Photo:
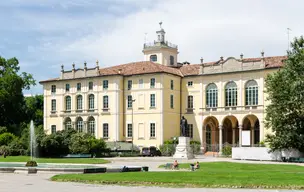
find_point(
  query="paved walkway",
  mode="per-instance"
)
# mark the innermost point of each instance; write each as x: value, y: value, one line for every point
x: 12, y: 182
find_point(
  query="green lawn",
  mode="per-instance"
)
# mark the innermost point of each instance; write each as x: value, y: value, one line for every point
x: 215, y: 174
x: 54, y: 160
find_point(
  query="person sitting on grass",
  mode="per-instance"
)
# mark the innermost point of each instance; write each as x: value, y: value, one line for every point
x: 175, y: 165
x: 196, y: 166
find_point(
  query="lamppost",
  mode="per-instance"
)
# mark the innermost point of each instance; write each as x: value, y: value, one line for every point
x: 133, y: 100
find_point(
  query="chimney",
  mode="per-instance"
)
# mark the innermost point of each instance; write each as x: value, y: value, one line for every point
x: 119, y: 71
x: 262, y: 54
x: 222, y: 58
x: 202, y: 60
x: 241, y: 56
x: 85, y: 68
x: 73, y: 70
x: 201, y: 71
x: 97, y: 67
x: 263, y: 59
x: 62, y: 71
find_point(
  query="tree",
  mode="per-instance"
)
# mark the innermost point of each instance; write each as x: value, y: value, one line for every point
x: 285, y: 113
x: 12, y: 108
x: 34, y: 109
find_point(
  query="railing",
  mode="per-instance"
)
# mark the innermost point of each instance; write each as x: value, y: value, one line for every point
x: 156, y: 43
x: 233, y: 108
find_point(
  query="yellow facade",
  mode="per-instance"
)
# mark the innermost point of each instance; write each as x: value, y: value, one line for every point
x: 145, y: 100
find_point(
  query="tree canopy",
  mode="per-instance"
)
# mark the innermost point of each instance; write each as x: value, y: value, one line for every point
x: 285, y: 113
x: 12, y: 103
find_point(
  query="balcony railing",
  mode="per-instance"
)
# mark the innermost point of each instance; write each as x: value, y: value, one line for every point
x: 156, y: 43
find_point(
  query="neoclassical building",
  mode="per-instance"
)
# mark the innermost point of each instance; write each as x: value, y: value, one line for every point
x: 142, y: 102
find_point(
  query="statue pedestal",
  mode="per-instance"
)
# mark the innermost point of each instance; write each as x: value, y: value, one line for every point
x: 183, y: 149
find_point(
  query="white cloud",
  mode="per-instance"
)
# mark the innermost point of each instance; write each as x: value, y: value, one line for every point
x: 112, y: 31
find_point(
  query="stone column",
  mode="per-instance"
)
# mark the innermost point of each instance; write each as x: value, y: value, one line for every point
x: 233, y: 136
x: 240, y: 135
x: 221, y: 137
x: 252, y: 136
x: 85, y: 130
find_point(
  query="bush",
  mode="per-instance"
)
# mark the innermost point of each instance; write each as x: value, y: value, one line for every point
x: 6, y: 138
x: 4, y: 150
x: 3, y: 130
x: 16, y: 148
x: 167, y: 149
x: 31, y: 164
x: 227, y: 151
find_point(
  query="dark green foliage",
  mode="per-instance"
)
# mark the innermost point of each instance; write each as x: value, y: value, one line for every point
x: 6, y: 138
x: 285, y: 113
x: 227, y: 151
x: 12, y: 103
x: 31, y: 164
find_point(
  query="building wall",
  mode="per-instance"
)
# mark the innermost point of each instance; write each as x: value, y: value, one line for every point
x: 166, y: 119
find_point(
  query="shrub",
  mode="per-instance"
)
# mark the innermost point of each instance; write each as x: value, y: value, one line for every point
x: 31, y: 164
x: 3, y: 130
x: 167, y: 149
x: 6, y: 138
x: 16, y: 148
x: 227, y: 151
x: 262, y: 144
x: 4, y: 150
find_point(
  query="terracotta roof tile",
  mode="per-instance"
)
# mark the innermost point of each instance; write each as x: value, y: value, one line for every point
x: 137, y: 68
x: 147, y: 67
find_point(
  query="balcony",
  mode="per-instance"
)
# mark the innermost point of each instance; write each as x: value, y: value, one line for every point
x: 255, y: 108
x: 159, y: 44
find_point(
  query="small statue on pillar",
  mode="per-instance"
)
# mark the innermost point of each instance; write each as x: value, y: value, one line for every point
x: 183, y: 126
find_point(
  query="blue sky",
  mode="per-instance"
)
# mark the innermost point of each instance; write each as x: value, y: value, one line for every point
x: 44, y: 34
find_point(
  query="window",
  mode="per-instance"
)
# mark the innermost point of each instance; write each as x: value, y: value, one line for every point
x: 190, y: 83
x: 79, y: 102
x: 105, y: 130
x: 130, y: 102
x: 91, y: 124
x: 68, y: 103
x: 231, y: 94
x: 152, y: 100
x: 53, y: 129
x: 171, y: 60
x: 153, y: 58
x: 130, y: 130
x: 68, y: 123
x: 53, y: 104
x: 91, y: 101
x: 67, y: 87
x: 141, y: 83
x: 152, y: 82
x: 190, y: 101
x: 190, y: 131
x: 53, y: 88
x: 105, y: 84
x: 252, y: 92
x: 90, y: 85
x: 105, y: 102
x: 79, y: 124
x: 211, y: 96
x: 172, y: 84
x: 78, y: 86
x: 152, y: 130
x: 129, y: 84
x: 171, y: 101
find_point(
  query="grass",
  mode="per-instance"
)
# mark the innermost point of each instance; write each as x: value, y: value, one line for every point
x: 215, y: 175
x: 54, y: 160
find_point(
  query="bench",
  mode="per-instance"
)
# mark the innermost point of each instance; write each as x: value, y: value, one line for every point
x: 77, y: 156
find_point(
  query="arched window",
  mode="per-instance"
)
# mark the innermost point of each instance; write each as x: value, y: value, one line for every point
x: 231, y: 94
x: 79, y: 124
x: 91, y: 101
x: 211, y: 96
x: 79, y: 102
x: 68, y: 123
x: 171, y: 60
x: 252, y: 92
x: 91, y: 125
x: 153, y: 58
x: 68, y: 103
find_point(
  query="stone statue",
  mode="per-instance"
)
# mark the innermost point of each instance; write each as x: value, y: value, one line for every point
x: 183, y: 126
